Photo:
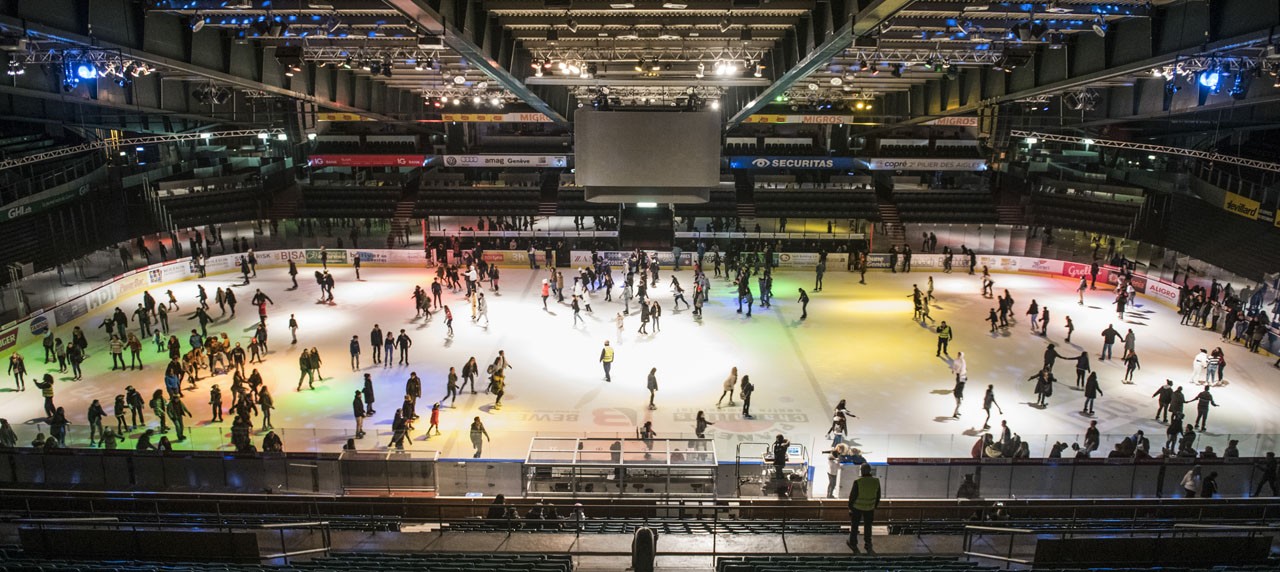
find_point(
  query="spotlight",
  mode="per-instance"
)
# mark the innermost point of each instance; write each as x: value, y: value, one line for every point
x: 715, y: 104
x: 15, y: 68
x: 836, y: 81
x: 475, y: 100
x: 639, y: 65
x: 1211, y: 79
x: 654, y: 65
x: 86, y: 70
x: 759, y: 71
x: 702, y: 70
x: 859, y: 105
x: 1240, y: 87
x: 496, y: 102
x: 197, y: 23
x: 725, y: 25
x: 1100, y: 28
x: 572, y: 25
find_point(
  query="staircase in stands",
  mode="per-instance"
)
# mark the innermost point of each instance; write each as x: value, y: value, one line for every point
x: 1011, y: 215
x: 744, y: 198
x: 402, y: 216
x: 894, y: 232
x: 550, y: 196
x: 285, y: 204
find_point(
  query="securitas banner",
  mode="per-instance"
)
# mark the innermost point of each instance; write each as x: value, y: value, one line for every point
x: 753, y: 162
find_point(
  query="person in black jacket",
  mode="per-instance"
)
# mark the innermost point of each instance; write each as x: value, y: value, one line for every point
x: 358, y: 411
x: 368, y: 395
x: 747, y: 388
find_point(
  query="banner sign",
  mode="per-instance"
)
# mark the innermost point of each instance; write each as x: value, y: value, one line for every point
x: 955, y: 121
x: 496, y: 117
x: 751, y: 162
x: 1166, y: 292
x: 44, y: 203
x: 341, y: 117
x: 366, y: 160
x: 1241, y: 205
x: 506, y: 161
x: 925, y: 164
x: 334, y: 257
x: 808, y: 119
x: 8, y: 338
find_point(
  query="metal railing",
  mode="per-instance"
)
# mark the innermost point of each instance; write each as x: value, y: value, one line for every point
x: 719, y: 518
x: 975, y: 533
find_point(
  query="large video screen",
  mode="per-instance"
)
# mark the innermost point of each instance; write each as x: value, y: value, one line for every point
x: 663, y: 156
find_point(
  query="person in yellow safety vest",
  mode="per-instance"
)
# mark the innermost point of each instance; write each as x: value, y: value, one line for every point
x: 944, y: 337
x: 863, y: 500
x: 606, y: 358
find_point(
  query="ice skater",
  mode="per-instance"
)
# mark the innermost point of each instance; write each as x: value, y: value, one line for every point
x: 652, y: 385
x: 988, y: 400
x: 961, y: 369
x: 1091, y: 392
x: 729, y: 383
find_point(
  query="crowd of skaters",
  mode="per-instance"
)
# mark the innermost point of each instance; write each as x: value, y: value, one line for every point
x: 641, y: 273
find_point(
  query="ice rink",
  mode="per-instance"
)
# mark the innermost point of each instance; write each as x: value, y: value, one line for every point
x: 859, y: 343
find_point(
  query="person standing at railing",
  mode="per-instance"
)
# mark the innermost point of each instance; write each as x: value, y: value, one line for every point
x: 864, y: 498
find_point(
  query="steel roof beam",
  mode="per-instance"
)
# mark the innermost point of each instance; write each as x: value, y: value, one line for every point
x: 867, y: 20
x: 431, y: 21
x: 168, y: 64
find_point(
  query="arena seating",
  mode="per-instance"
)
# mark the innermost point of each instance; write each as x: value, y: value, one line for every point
x: 942, y: 205
x: 818, y: 203
x: 210, y: 207
x: 344, y: 201
x: 1223, y: 238
x: 570, y: 202
x: 788, y: 563
x: 903, y: 151
x: 442, y: 199
x: 722, y: 203
x: 14, y: 561
x: 661, y: 525
x: 1083, y: 212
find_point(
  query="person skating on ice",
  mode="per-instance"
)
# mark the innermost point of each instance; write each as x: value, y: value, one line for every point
x: 729, y: 384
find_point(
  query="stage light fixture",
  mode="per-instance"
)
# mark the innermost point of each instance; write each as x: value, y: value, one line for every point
x: 1100, y: 27
x: 1211, y: 79
x: 86, y: 70
x: 725, y: 25
x: 1240, y: 87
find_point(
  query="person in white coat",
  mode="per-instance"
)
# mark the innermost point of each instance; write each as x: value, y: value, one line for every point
x: 729, y: 382
x: 1199, y: 366
x: 961, y: 369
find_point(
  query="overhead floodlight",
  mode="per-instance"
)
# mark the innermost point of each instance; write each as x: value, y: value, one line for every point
x: 86, y: 70
x: 759, y: 71
x: 674, y: 5
x: 1100, y: 27
x: 282, y: 137
x: 725, y: 25
x: 459, y: 79
x: 1032, y: 140
x: 1240, y: 87
x: 622, y: 5
x: 197, y: 23
x: 1088, y: 141
x: 836, y: 81
x: 476, y: 100
x: 206, y: 135
x: 572, y: 25
x: 264, y: 135
x: 715, y: 104
x: 702, y: 70
x: 647, y: 205
x: 1211, y: 79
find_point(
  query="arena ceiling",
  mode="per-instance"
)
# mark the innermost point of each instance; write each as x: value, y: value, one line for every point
x: 406, y: 60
